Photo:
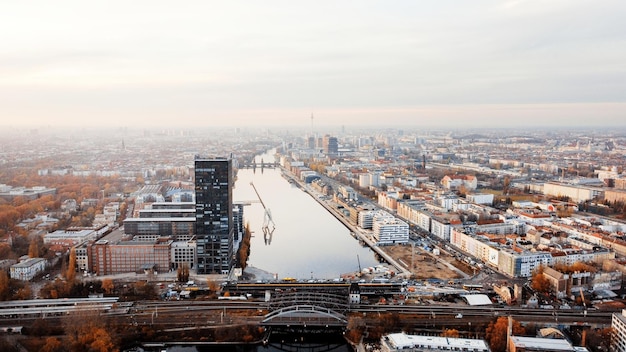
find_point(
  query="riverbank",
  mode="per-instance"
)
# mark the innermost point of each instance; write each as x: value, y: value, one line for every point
x: 360, y: 235
x: 419, y: 264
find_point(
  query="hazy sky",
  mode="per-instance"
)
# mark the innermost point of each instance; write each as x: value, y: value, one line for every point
x: 165, y: 63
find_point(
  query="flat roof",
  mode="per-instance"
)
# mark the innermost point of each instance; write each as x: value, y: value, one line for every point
x: 402, y: 341
x: 28, y: 262
x: 69, y: 234
x: 477, y: 300
x: 541, y: 343
x: 168, y: 210
x: 176, y: 219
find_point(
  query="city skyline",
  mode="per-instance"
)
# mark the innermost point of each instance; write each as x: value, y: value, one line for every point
x: 277, y: 63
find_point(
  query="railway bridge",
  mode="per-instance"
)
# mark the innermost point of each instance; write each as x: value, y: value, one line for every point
x: 307, y: 310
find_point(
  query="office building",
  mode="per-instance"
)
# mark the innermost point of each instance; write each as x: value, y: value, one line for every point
x: 214, y: 215
x: 107, y: 258
x: 330, y: 145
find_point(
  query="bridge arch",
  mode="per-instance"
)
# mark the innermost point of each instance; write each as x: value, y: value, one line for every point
x: 305, y: 315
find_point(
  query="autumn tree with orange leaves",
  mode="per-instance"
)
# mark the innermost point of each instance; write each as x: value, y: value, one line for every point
x: 85, y: 331
x: 70, y: 274
x: 454, y: 333
x: 108, y: 286
x: 5, y: 291
x: 539, y: 282
x: 33, y: 248
x: 496, y: 333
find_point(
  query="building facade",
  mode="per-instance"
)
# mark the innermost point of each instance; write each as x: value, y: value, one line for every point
x: 27, y: 269
x: 618, y: 323
x: 106, y: 258
x: 214, y: 215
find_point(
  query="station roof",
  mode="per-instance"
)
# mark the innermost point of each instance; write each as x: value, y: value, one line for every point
x: 542, y: 344
x: 477, y: 300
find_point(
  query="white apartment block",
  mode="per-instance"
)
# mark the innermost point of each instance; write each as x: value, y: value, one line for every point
x: 480, y: 198
x: 26, y: 270
x: 366, y: 219
x: 575, y: 192
x: 364, y: 180
x: 448, y: 202
x: 348, y: 193
x: 423, y: 221
x: 440, y: 228
x: 476, y: 246
x: 388, y: 229
x: 516, y: 263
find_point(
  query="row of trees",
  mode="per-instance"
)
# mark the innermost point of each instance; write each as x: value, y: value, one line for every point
x: 244, y: 248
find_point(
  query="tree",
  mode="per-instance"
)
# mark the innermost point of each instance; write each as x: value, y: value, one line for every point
x: 52, y: 345
x: 454, y: 333
x: 70, y: 274
x: 23, y: 293
x: 33, y: 249
x: 108, y: 286
x: 539, y: 282
x: 5, y: 292
x: 244, y: 248
x: 506, y: 183
x: 5, y: 251
x: 496, y: 333
x: 6, y: 346
x: 600, y: 339
x: 182, y: 273
x: 87, y: 332
x: 212, y: 285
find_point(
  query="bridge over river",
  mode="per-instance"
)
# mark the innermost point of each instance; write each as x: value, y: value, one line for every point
x: 306, y: 310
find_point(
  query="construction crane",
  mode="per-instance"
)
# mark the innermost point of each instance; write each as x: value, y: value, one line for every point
x: 267, y: 219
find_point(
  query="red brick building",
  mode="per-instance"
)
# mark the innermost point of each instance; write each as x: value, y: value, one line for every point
x: 106, y: 258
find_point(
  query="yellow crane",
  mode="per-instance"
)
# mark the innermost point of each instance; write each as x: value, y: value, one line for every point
x: 267, y: 219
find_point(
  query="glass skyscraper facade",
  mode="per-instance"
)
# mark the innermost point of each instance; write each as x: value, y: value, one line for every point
x: 214, y: 215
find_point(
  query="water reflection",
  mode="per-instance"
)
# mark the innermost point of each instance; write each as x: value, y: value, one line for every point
x: 308, y: 242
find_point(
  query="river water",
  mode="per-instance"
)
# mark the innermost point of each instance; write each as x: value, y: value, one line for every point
x: 308, y: 242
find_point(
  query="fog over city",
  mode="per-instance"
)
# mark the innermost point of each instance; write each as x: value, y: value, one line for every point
x: 275, y: 63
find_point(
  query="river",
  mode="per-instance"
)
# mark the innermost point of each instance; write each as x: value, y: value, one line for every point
x: 308, y: 242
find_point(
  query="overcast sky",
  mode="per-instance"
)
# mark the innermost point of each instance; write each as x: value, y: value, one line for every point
x: 432, y: 63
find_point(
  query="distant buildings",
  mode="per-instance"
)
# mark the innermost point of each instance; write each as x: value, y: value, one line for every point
x: 575, y: 192
x: 330, y: 145
x: 61, y: 240
x: 8, y: 192
x: 455, y: 182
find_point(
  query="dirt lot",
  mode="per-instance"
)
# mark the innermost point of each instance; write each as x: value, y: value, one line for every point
x: 426, y: 265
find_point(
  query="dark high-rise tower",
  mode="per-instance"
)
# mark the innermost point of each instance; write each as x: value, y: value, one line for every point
x: 214, y: 215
